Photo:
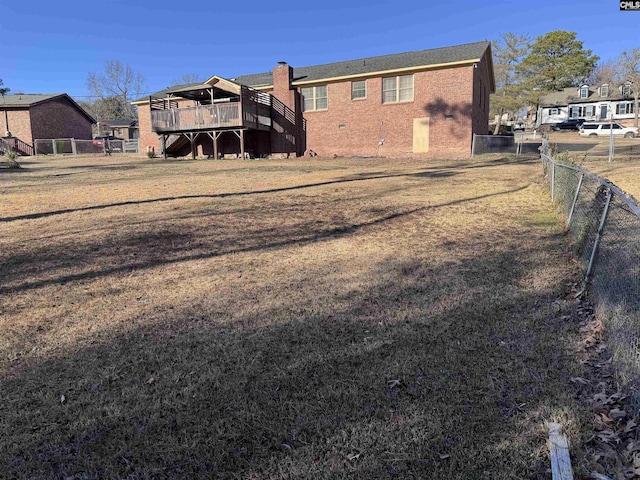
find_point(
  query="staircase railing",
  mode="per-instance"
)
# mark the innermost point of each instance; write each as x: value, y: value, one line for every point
x: 17, y: 145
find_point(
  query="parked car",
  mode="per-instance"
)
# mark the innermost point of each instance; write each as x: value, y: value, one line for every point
x: 570, y: 124
x: 605, y: 129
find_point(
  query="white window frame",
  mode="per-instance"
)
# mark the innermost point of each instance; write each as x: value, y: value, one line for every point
x: 315, y: 95
x: 361, y: 89
x: 604, y: 90
x: 584, y: 92
x: 626, y: 89
x: 553, y: 111
x: 397, y: 89
x: 624, y: 108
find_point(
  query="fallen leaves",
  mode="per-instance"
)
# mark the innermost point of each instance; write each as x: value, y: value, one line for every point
x: 614, y: 449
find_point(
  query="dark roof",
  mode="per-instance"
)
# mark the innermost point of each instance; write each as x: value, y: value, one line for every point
x: 434, y: 56
x: 21, y: 100
x: 570, y: 95
x: 173, y: 89
x: 28, y: 99
x: 361, y: 66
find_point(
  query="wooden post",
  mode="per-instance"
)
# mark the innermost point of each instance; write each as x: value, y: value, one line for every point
x: 164, y: 145
x: 242, y: 144
x: 193, y: 149
x: 559, y: 449
x: 215, y: 145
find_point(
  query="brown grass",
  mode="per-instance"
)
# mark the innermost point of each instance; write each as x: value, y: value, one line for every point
x: 347, y: 318
x: 593, y: 154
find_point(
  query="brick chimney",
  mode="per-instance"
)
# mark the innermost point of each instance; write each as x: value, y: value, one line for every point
x: 282, y: 90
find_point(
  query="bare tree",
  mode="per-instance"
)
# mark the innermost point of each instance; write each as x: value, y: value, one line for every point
x: 629, y: 68
x: 188, y: 78
x: 114, y: 90
x: 604, y: 73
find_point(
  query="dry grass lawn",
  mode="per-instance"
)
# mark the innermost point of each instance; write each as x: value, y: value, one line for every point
x: 325, y: 318
x: 593, y: 154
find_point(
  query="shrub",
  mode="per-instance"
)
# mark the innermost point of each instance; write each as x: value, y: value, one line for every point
x: 10, y: 159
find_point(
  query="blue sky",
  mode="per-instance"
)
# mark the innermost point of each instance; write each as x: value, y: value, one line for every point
x: 50, y: 47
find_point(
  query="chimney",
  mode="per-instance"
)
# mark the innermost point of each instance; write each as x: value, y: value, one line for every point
x: 282, y: 90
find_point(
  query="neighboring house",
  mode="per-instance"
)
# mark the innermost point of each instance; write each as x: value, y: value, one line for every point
x: 425, y: 102
x: 125, y: 129
x: 588, y: 103
x: 33, y: 116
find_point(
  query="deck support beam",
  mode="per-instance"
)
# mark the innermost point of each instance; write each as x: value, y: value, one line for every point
x: 214, y: 137
x: 240, y: 134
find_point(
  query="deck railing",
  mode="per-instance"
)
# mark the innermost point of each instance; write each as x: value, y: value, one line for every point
x: 200, y: 117
x: 16, y: 145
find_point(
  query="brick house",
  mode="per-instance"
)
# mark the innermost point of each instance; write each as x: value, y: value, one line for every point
x: 28, y: 117
x: 427, y: 102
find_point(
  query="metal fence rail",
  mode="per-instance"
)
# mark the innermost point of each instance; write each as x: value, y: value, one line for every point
x: 604, y: 226
x: 520, y: 142
x: 71, y: 146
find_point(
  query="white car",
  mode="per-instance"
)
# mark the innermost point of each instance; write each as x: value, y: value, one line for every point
x: 605, y: 129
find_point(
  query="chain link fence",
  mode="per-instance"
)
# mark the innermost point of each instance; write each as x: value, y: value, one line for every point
x: 604, y: 226
x: 520, y: 142
x: 71, y: 146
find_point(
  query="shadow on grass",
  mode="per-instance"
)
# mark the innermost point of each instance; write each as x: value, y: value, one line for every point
x: 415, y: 379
x: 427, y: 173
x: 151, y: 249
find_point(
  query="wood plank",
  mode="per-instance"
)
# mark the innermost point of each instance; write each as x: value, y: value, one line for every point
x: 559, y: 449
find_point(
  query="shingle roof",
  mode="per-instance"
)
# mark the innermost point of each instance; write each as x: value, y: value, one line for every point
x: 26, y: 99
x: 434, y: 56
x: 569, y: 95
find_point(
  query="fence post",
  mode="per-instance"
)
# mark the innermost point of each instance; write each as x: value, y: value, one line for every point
x: 73, y: 146
x: 473, y: 145
x: 553, y: 181
x: 575, y: 200
x: 596, y: 242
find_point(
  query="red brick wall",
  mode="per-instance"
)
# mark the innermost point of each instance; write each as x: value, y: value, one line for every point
x: 481, y: 91
x: 354, y: 127
x: 19, y: 124
x: 58, y: 118
x: 147, y: 137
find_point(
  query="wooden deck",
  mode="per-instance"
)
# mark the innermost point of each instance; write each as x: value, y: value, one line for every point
x: 202, y: 117
x: 251, y: 111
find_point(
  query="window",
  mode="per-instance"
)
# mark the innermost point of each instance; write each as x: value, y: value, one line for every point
x: 315, y: 98
x: 624, y: 108
x: 584, y: 92
x: 397, y: 89
x: 626, y: 89
x: 604, y: 91
x: 553, y: 111
x: 582, y: 111
x: 358, y: 89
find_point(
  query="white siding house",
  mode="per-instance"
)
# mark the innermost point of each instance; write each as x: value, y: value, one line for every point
x: 587, y: 103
